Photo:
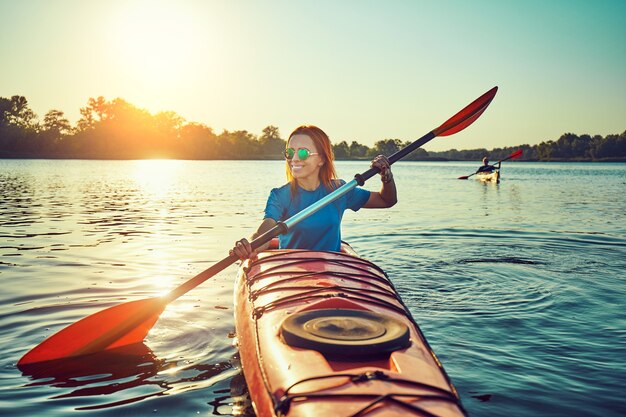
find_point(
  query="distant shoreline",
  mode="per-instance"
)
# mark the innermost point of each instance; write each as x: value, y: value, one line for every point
x: 117, y: 130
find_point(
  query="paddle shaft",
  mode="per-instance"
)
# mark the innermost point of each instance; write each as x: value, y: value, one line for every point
x: 513, y: 155
x: 130, y: 322
x: 455, y: 124
x: 284, y: 227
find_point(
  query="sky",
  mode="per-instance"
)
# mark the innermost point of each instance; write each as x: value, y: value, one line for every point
x: 361, y: 70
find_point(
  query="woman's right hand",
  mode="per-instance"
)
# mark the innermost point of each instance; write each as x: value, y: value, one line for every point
x: 243, y: 250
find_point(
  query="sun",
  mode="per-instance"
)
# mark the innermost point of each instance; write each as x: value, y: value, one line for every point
x: 154, y: 40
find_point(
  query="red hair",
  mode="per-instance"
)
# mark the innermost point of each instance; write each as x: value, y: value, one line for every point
x: 324, y: 148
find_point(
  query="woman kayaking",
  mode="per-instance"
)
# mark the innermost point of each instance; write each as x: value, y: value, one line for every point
x: 311, y: 175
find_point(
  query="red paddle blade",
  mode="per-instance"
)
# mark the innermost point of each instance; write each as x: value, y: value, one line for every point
x: 515, y: 154
x: 467, y: 116
x: 466, y: 177
x: 120, y: 325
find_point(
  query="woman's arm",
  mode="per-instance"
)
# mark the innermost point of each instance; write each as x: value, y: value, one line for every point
x: 242, y: 247
x: 387, y: 196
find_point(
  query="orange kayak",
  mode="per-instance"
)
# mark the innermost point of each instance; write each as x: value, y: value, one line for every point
x: 326, y: 334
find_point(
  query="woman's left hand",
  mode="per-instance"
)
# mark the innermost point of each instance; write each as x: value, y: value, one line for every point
x: 382, y: 163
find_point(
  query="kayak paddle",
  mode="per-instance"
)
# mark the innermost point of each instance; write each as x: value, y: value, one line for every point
x: 130, y: 322
x: 515, y: 154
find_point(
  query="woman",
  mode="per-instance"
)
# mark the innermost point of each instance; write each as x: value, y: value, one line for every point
x: 311, y: 175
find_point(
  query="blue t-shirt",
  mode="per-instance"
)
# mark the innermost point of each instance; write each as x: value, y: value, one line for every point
x: 321, y: 230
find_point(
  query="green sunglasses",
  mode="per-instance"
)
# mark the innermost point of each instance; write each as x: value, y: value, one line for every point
x: 303, y: 153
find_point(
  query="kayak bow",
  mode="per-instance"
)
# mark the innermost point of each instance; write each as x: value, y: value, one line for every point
x: 326, y: 334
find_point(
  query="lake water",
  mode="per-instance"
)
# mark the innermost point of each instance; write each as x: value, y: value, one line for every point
x: 519, y: 287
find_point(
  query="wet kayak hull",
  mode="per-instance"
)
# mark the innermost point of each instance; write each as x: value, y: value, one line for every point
x: 493, y: 176
x: 345, y: 374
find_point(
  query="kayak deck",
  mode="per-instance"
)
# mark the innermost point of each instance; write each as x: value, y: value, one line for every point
x: 286, y: 380
x: 491, y: 176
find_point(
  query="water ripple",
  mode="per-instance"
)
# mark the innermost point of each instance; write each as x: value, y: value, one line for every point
x: 518, y: 287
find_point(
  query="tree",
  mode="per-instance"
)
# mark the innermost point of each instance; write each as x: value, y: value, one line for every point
x: 387, y: 147
x: 95, y: 111
x: 198, y: 141
x: 168, y: 122
x: 54, y: 121
x: 417, y: 154
x: 341, y: 150
x: 357, y: 150
x: 18, y: 114
x: 18, y: 128
x: 544, y: 150
x: 270, y: 141
x: 166, y: 137
x: 594, y: 146
x: 269, y: 133
x: 239, y: 144
x: 55, y: 127
x: 5, y: 110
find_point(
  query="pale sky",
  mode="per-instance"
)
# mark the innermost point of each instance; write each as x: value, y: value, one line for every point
x: 361, y: 70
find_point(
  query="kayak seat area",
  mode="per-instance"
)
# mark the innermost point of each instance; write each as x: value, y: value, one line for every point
x: 345, y: 332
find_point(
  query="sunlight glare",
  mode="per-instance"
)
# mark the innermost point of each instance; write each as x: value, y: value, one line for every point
x: 156, y: 176
x: 155, y: 40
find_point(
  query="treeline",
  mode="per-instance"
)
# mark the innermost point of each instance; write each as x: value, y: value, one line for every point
x: 568, y: 148
x: 117, y: 129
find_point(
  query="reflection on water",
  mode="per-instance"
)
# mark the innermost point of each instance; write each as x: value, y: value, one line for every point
x: 155, y: 177
x: 518, y: 286
x: 123, y: 375
x: 234, y: 401
x: 107, y: 373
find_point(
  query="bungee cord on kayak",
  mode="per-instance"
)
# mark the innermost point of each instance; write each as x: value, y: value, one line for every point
x: 283, y: 403
x: 346, y: 269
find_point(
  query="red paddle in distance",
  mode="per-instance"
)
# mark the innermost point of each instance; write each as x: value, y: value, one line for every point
x: 130, y: 322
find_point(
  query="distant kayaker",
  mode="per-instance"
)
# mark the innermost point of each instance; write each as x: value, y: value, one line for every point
x: 311, y: 176
x: 486, y: 167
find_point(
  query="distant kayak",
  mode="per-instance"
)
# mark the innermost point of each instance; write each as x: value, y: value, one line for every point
x: 490, y: 176
x: 326, y: 334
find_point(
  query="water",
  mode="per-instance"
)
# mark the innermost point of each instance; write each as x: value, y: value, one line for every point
x: 518, y: 287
